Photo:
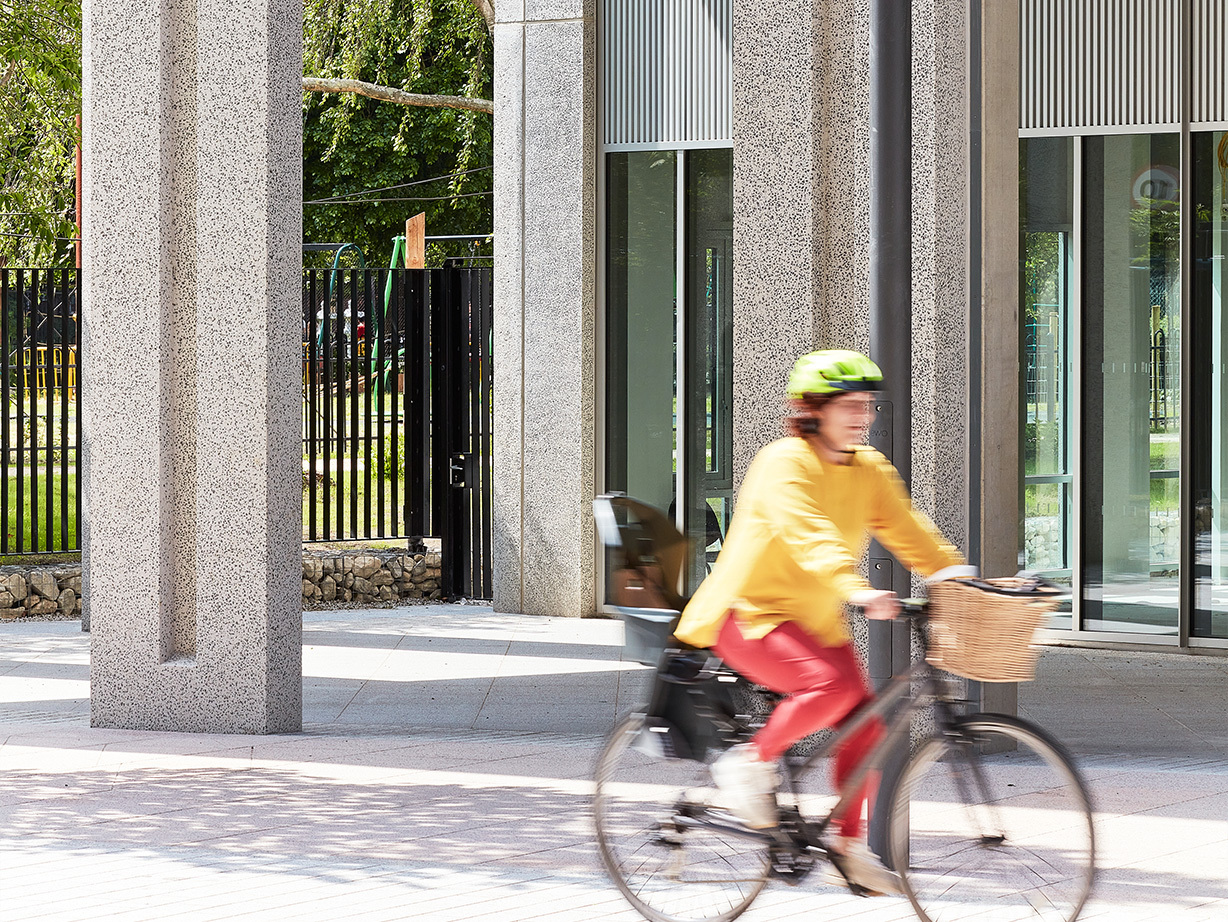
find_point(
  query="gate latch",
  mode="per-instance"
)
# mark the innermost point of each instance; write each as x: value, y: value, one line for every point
x: 462, y: 468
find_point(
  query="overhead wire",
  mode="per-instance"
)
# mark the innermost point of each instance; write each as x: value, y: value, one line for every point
x: 404, y: 185
x: 377, y: 201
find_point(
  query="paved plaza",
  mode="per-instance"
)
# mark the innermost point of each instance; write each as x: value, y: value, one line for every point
x: 442, y: 775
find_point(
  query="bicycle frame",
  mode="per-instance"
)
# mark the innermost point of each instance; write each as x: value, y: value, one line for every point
x: 895, y: 706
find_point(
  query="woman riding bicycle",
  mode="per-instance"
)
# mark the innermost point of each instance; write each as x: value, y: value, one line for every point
x: 773, y: 606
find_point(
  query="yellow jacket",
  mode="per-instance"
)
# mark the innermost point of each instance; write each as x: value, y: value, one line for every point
x: 800, y: 527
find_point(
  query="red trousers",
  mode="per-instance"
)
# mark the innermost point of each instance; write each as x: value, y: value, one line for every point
x: 824, y: 685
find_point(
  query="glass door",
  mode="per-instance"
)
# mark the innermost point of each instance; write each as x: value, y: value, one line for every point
x: 1131, y: 379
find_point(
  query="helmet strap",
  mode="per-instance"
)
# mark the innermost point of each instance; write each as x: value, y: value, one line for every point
x: 811, y: 426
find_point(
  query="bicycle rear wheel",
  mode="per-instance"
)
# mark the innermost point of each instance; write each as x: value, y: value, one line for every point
x: 993, y: 822
x: 651, y: 812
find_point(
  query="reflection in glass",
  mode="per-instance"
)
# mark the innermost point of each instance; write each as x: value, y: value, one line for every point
x: 1046, y: 209
x: 1131, y: 374
x: 1210, y: 437
x: 709, y: 414
x: 641, y: 324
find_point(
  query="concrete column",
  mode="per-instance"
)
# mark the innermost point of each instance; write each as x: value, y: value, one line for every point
x: 191, y: 330
x: 801, y: 221
x: 545, y: 315
x: 801, y: 198
x: 999, y: 486
x: 787, y: 59
x: 941, y: 264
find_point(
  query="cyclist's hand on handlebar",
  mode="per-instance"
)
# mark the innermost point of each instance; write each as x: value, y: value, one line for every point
x: 879, y: 604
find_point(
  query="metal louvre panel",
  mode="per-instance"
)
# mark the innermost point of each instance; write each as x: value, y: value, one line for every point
x: 1110, y: 64
x: 1210, y: 62
x: 668, y: 72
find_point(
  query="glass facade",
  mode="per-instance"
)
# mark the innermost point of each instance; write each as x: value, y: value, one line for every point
x: 1046, y: 259
x: 641, y: 324
x: 668, y: 374
x: 1131, y: 383
x: 1107, y: 307
x: 1046, y: 247
x: 1208, y: 246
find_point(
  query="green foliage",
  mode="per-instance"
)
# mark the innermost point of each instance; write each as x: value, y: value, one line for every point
x: 40, y: 98
x: 351, y: 143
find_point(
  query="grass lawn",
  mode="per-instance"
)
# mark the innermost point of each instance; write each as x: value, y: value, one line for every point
x: 49, y: 535
x: 353, y: 528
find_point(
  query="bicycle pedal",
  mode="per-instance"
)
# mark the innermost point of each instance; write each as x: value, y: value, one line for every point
x: 790, y: 866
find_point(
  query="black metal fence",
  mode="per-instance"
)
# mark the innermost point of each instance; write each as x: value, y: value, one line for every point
x: 40, y: 370
x: 396, y: 377
x: 397, y: 412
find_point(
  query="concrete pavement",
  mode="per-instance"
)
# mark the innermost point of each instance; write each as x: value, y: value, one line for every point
x: 443, y: 770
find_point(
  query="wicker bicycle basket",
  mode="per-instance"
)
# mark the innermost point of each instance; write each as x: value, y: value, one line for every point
x: 987, y: 635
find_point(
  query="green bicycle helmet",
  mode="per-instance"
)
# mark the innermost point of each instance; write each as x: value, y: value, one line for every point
x: 833, y: 371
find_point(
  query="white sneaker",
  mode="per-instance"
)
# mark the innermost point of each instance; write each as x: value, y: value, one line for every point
x: 747, y: 785
x: 862, y: 867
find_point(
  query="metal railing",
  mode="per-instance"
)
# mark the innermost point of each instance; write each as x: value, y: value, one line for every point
x: 40, y: 374
x: 397, y: 412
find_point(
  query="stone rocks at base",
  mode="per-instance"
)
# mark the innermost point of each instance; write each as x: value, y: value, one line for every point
x: 367, y: 577
x: 366, y: 566
x: 17, y: 586
x: 44, y: 583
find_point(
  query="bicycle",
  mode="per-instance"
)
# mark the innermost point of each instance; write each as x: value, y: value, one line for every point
x: 988, y: 818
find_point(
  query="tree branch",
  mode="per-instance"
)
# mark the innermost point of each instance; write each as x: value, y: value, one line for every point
x: 400, y: 97
x: 487, y: 9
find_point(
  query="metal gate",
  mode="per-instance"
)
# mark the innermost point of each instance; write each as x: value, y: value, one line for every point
x: 397, y: 413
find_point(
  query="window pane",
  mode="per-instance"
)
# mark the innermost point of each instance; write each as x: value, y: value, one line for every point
x: 709, y: 241
x: 640, y: 310
x: 1209, y: 246
x: 1046, y: 210
x: 1131, y: 375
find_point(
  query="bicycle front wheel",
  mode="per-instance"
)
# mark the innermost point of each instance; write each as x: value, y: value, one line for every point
x: 674, y: 855
x: 993, y: 822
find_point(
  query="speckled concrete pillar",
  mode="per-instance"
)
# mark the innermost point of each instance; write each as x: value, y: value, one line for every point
x: 801, y: 159
x: 801, y: 221
x: 941, y: 265
x: 545, y: 315
x: 192, y: 194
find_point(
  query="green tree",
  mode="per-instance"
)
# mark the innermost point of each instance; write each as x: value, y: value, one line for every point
x: 353, y: 143
x: 40, y: 99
